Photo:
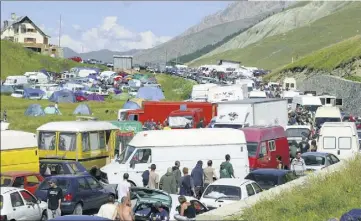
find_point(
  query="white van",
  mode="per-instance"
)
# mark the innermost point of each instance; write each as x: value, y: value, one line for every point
x: 164, y: 147
x: 289, y: 96
x: 308, y: 102
x: 39, y: 78
x: 339, y: 138
x: 16, y: 80
x: 327, y: 114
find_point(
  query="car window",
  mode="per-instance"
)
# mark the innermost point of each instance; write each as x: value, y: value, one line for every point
x: 83, y: 185
x: 142, y: 156
x: 328, y: 158
x: 198, y: 207
x: 74, y: 168
x: 334, y: 159
x: 56, y: 169
x: 62, y: 183
x: 93, y: 183
x: 257, y: 188
x: 250, y: 190
x: 16, y: 199
x: 19, y: 182
x: 28, y: 197
x: 32, y: 180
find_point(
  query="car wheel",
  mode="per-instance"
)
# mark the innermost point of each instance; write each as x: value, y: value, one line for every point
x: 78, y: 209
x: 44, y: 216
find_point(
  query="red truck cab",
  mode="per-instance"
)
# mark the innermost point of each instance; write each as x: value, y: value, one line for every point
x: 25, y: 180
x: 264, y: 144
x: 178, y: 119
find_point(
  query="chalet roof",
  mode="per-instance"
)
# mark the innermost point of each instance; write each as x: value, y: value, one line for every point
x: 22, y: 19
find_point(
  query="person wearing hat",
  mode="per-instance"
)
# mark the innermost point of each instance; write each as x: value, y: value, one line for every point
x: 153, y: 182
x: 54, y: 197
x: 160, y: 215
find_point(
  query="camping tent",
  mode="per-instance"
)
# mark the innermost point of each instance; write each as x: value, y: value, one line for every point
x: 121, y: 96
x: 7, y: 89
x: 138, y: 101
x: 51, y: 110
x: 150, y: 93
x: 34, y: 110
x: 95, y: 97
x: 352, y: 215
x: 82, y: 109
x: 31, y: 92
x: 63, y: 96
x: 131, y: 105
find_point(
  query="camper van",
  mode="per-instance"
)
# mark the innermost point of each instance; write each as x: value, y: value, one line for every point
x: 329, y: 100
x: 16, y: 80
x: 200, y: 92
x: 90, y: 142
x: 227, y: 93
x: 39, y: 78
x: 309, y: 102
x: 164, y: 147
x: 289, y: 96
x: 339, y: 138
x: 289, y: 83
x: 327, y: 114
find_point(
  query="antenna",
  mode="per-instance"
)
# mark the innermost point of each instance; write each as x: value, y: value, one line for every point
x: 59, y: 30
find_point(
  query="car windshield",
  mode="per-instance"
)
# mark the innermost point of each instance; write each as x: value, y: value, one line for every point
x: 266, y: 181
x: 6, y: 180
x: 233, y: 126
x: 252, y: 148
x: 321, y: 120
x: 144, y: 193
x: 312, y: 160
x: 124, y: 156
x: 62, y: 183
x: 297, y: 132
x: 223, y: 191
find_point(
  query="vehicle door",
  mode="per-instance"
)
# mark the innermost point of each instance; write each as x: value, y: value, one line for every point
x: 99, y: 194
x: 262, y: 155
x: 272, y: 162
x: 33, y: 209
x: 85, y: 193
x: 140, y: 162
x: 256, y: 187
x: 31, y: 183
x: 250, y: 191
x: 334, y: 159
x: 19, y: 208
x: 199, y: 207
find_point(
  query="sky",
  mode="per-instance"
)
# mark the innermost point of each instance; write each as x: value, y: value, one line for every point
x: 114, y: 25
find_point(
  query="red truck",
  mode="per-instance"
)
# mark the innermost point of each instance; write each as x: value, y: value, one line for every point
x: 177, y: 113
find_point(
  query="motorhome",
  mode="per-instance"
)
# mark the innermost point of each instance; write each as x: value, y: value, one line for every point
x: 339, y: 138
x: 164, y: 147
x: 289, y: 83
x: 309, y: 102
x: 227, y: 93
x: 200, y: 92
x: 39, y: 78
x: 16, y: 80
x: 327, y: 114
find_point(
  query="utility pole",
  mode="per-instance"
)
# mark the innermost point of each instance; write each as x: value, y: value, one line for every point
x: 59, y: 30
x: 166, y: 57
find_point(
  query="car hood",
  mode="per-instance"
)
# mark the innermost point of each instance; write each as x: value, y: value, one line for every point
x: 314, y: 167
x: 212, y: 203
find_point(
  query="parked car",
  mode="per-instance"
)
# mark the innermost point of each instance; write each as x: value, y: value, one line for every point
x: 18, y: 93
x: 24, y: 180
x: 81, y: 192
x: 60, y: 167
x: 81, y: 98
x: 269, y: 178
x: 227, y: 190
x: 143, y: 200
x: 359, y: 136
x: 79, y: 218
x: 20, y: 204
x: 318, y: 160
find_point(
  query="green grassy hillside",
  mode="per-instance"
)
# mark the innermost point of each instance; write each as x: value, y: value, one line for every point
x: 276, y: 51
x: 16, y: 60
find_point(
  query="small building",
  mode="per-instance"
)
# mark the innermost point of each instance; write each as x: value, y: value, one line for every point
x: 23, y: 30
x: 122, y: 62
x: 231, y: 64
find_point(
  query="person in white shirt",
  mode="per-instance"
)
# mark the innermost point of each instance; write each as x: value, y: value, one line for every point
x: 124, y: 187
x: 108, y: 210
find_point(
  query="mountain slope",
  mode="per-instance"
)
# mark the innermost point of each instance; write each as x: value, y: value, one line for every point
x: 280, y: 23
x: 278, y: 50
x: 101, y: 55
x: 229, y: 21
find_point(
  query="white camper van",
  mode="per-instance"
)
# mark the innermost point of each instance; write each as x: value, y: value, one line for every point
x: 327, y: 114
x: 339, y: 138
x: 16, y: 80
x: 39, y: 78
x: 164, y: 147
x: 227, y: 93
x: 200, y: 91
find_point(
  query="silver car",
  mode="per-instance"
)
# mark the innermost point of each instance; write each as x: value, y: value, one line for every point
x: 317, y: 161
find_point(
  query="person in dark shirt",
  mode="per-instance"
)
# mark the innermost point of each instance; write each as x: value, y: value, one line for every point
x: 186, y: 210
x: 160, y: 215
x: 54, y: 197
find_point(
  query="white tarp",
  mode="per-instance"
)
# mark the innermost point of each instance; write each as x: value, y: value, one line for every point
x: 179, y: 121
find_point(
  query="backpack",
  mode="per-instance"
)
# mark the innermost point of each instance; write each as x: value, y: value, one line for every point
x: 145, y: 177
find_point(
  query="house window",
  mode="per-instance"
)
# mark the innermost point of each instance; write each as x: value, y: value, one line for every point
x: 31, y: 30
x: 30, y: 40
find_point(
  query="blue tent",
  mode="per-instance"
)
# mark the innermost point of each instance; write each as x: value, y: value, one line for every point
x: 352, y: 215
x: 131, y: 105
x: 34, y: 110
x: 31, y: 92
x: 150, y: 93
x: 7, y: 89
x: 82, y: 109
x: 63, y: 96
x: 51, y: 110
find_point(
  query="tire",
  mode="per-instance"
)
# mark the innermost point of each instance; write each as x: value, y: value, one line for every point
x: 44, y: 217
x: 78, y: 210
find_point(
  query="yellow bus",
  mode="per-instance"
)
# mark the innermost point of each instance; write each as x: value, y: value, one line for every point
x: 19, y: 151
x: 92, y: 143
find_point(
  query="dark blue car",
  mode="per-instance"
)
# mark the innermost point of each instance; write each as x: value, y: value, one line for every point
x: 81, y: 192
x: 60, y: 167
x: 268, y: 178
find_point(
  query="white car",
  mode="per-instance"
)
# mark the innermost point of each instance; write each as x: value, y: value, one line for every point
x: 19, y: 204
x: 18, y: 94
x: 318, y: 160
x: 228, y: 190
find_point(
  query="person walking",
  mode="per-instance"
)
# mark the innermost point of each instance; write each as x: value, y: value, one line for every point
x: 108, y: 210
x: 209, y: 174
x: 197, y: 176
x: 177, y: 173
x: 153, y: 182
x: 298, y: 165
x: 168, y: 183
x: 54, y: 197
x: 226, y: 168
x: 187, y: 184
x: 124, y: 210
x: 124, y: 187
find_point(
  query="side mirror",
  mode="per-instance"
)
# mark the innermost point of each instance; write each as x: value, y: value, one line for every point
x: 261, y: 155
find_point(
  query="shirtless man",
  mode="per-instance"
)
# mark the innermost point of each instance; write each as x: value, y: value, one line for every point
x: 124, y: 210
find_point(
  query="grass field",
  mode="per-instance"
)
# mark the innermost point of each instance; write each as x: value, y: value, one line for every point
x: 175, y: 88
x: 277, y: 51
x: 325, y: 198
x: 15, y: 60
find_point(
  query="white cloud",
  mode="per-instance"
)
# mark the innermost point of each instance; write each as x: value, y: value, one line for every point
x: 110, y: 35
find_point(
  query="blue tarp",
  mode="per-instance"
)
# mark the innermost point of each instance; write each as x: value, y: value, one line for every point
x: 130, y: 105
x: 34, y: 110
x: 63, y: 96
x: 95, y: 97
x: 31, y: 92
x: 82, y: 109
x: 352, y: 215
x: 150, y: 93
